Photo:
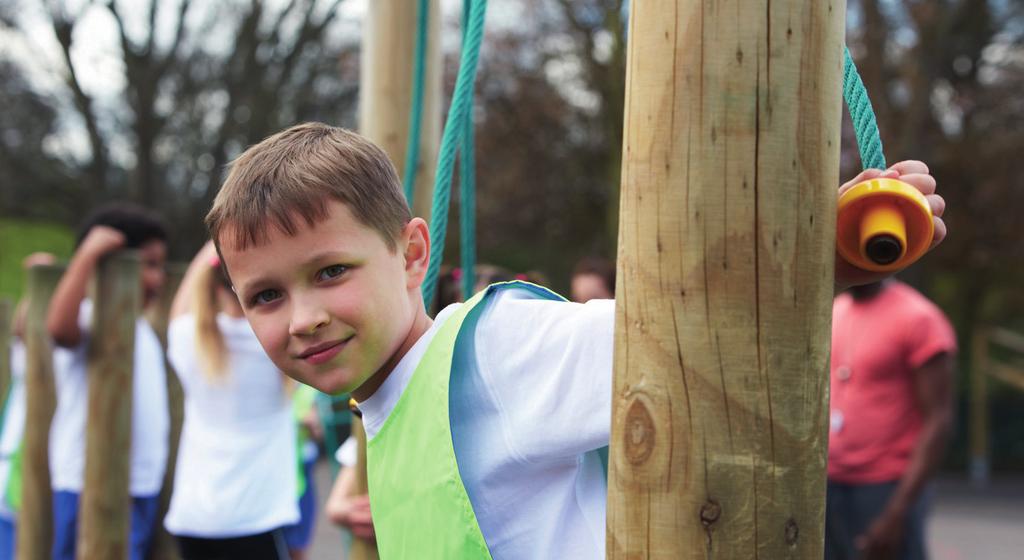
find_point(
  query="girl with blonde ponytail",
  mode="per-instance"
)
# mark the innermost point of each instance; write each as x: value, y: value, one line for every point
x: 235, y: 483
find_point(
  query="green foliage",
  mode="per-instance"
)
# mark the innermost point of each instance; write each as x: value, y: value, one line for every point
x: 20, y: 238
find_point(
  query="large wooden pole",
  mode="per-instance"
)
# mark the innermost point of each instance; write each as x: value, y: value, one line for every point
x: 105, y: 510
x: 35, y: 520
x: 726, y: 258
x: 385, y: 101
x: 386, y: 80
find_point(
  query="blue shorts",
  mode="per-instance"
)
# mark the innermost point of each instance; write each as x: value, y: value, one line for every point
x: 65, y: 525
x: 8, y: 530
x: 298, y: 536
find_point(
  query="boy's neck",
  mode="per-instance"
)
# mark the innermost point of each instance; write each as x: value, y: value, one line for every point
x: 420, y: 325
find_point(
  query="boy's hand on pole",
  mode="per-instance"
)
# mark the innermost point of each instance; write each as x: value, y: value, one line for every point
x: 913, y: 173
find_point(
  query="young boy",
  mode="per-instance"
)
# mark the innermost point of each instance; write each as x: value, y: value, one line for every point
x: 484, y: 425
x: 69, y: 321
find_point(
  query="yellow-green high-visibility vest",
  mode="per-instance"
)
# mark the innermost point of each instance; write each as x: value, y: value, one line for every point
x: 420, y: 507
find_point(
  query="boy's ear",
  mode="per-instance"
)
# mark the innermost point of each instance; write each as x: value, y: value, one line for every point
x: 416, y: 250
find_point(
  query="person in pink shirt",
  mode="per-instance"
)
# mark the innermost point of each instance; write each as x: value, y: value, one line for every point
x: 891, y: 413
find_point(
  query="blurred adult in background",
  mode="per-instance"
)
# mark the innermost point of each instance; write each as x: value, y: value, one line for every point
x: 235, y: 484
x: 891, y: 413
x: 593, y: 278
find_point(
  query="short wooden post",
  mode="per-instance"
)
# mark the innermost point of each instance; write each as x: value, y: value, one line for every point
x: 385, y: 95
x: 35, y: 520
x: 726, y: 260
x: 5, y: 351
x: 164, y: 546
x: 979, y: 466
x: 105, y: 508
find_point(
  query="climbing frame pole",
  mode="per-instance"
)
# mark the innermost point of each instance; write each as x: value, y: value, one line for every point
x: 105, y: 510
x: 386, y: 83
x: 35, y: 519
x: 726, y: 260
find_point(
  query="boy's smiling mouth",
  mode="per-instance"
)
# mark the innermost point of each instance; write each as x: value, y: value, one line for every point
x: 323, y: 352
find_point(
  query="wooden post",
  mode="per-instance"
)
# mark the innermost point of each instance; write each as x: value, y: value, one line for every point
x: 35, y: 520
x: 979, y: 467
x: 726, y: 264
x: 164, y: 546
x: 105, y: 509
x: 385, y: 95
x: 6, y: 310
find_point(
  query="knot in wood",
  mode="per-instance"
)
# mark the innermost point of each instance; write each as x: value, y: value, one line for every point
x: 639, y: 433
x: 710, y: 512
x: 792, y: 532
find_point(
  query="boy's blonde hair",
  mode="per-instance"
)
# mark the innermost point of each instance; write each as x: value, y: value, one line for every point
x: 293, y: 174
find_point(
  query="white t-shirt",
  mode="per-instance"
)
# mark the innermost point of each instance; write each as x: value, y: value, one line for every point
x: 533, y: 399
x: 150, y: 420
x: 347, y: 453
x: 14, y: 423
x: 236, y: 471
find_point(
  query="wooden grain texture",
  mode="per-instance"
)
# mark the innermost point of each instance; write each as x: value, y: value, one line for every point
x: 35, y: 519
x: 385, y: 94
x: 105, y: 508
x: 164, y: 546
x: 726, y: 264
x: 6, y: 312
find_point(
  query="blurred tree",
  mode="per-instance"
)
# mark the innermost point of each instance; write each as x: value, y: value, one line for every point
x: 202, y: 80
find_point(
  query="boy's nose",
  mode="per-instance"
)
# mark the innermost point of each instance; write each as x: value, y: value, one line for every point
x: 307, y: 318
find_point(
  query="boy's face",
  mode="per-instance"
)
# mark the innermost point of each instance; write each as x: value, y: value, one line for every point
x: 154, y: 258
x: 331, y: 305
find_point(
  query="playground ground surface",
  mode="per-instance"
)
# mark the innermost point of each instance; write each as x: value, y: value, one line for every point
x: 967, y: 523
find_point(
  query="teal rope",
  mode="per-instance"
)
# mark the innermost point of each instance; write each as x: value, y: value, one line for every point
x: 467, y: 184
x: 865, y: 125
x: 450, y: 140
x: 412, y: 144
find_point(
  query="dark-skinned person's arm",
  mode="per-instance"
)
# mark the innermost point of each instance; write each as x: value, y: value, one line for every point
x: 933, y: 386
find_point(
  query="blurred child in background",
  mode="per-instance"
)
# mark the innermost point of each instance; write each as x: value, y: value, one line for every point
x: 69, y: 321
x: 234, y: 485
x: 592, y: 278
x: 299, y: 535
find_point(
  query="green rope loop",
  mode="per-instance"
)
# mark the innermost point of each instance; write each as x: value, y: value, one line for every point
x: 454, y: 130
x: 467, y: 187
x: 865, y: 126
x: 412, y: 144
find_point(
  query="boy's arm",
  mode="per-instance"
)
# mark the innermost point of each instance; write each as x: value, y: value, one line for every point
x: 183, y: 298
x: 914, y: 173
x: 62, y: 317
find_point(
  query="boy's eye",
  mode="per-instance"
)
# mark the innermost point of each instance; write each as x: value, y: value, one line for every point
x: 330, y: 272
x: 264, y: 297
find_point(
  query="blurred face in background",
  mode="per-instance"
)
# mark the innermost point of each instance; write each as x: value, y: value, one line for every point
x: 586, y: 287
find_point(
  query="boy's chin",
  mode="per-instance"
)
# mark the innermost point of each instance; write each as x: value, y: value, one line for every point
x: 331, y: 385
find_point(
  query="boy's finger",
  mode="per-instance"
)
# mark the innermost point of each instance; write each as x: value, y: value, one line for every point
x: 921, y: 181
x: 865, y: 175
x: 909, y: 166
x: 940, y: 232
x: 937, y: 204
